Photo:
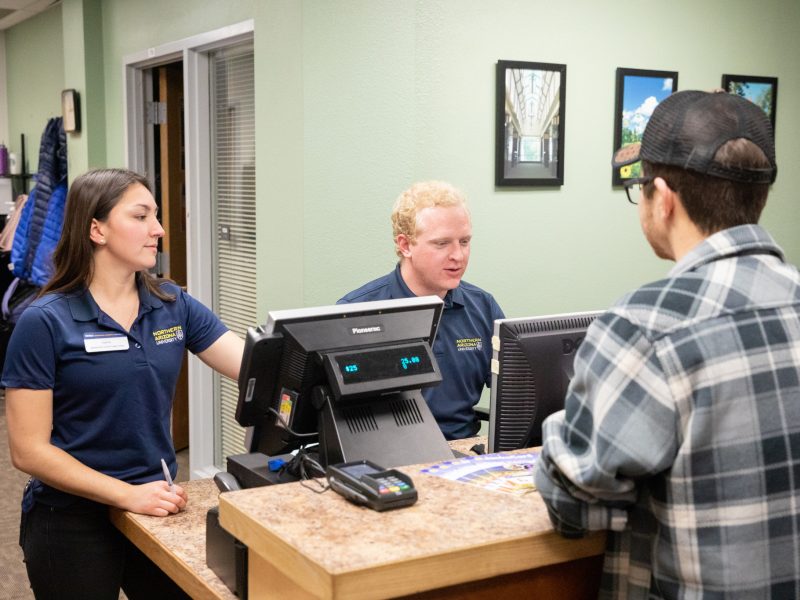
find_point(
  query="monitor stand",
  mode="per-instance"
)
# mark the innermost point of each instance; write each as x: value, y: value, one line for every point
x: 391, y: 430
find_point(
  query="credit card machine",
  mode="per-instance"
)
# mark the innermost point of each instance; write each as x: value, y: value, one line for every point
x: 365, y: 483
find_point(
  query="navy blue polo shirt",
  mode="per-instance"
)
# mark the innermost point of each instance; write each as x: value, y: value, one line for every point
x: 463, y: 348
x: 112, y: 389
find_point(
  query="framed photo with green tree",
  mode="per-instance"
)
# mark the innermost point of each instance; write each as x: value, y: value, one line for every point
x: 638, y: 93
x: 762, y: 91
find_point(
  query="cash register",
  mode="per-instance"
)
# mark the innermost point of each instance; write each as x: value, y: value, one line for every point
x: 341, y: 383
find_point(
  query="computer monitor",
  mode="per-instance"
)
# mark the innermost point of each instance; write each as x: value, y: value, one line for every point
x: 532, y: 366
x: 348, y: 376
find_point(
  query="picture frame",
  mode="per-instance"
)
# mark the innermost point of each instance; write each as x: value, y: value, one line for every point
x: 762, y: 91
x: 638, y: 92
x: 71, y: 110
x: 529, y: 123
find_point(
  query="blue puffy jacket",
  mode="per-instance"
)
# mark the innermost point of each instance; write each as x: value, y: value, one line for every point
x: 39, y: 226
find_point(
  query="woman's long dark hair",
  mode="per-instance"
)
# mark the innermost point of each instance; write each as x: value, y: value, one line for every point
x: 92, y: 196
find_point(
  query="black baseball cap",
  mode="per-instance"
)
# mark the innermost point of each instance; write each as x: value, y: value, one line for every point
x: 687, y: 128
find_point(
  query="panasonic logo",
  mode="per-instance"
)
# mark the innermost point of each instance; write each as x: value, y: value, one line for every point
x: 360, y: 330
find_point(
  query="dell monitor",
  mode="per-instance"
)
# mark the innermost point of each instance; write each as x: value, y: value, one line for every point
x: 348, y: 376
x: 532, y: 366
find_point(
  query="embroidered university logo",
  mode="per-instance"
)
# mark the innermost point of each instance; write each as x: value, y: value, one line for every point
x: 469, y: 344
x: 168, y: 335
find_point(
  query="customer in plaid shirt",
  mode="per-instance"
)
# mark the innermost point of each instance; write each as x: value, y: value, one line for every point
x: 681, y: 433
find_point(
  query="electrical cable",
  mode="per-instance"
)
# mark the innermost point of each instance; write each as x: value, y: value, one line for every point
x: 286, y: 425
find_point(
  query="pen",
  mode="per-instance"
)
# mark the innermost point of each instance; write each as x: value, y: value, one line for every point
x: 167, y: 476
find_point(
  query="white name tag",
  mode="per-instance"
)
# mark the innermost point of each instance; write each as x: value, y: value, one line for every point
x: 105, y: 342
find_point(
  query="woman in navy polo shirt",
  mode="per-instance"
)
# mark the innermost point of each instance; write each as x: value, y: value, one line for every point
x: 90, y: 375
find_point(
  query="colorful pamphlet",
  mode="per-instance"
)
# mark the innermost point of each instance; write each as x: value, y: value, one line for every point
x: 500, y: 472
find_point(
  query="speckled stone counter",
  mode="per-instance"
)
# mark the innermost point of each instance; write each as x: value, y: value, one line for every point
x: 457, y: 541
x: 177, y: 543
x: 305, y: 544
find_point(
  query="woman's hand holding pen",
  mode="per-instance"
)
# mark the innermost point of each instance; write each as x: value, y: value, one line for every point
x: 155, y: 499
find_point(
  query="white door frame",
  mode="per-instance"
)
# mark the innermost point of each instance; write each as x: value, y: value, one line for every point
x: 193, y: 51
x: 4, y: 133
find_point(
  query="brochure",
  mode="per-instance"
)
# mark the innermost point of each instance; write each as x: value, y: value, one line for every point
x: 500, y: 472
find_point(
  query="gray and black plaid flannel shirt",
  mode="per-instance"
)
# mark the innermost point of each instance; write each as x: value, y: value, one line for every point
x: 681, y: 433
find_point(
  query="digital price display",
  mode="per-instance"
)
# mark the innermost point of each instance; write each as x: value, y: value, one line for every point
x: 384, y: 363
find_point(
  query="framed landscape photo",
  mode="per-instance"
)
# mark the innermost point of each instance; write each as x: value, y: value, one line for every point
x: 638, y: 93
x: 762, y: 91
x: 529, y: 125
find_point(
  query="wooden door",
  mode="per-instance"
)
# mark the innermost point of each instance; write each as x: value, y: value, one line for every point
x: 173, y: 218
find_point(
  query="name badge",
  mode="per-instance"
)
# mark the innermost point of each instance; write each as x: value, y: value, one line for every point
x: 105, y: 342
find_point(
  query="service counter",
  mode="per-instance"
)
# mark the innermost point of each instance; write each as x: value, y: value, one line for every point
x: 457, y: 541
x: 177, y: 543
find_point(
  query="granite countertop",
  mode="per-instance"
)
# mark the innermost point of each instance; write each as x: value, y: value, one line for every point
x: 184, y: 534
x: 323, y: 525
x: 180, y: 540
x: 451, y: 521
x: 464, y: 445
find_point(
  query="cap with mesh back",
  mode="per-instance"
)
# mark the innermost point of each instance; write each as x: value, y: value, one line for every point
x: 687, y: 128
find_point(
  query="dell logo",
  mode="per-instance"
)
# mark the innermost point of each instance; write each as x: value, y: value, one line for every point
x: 361, y: 330
x: 569, y: 346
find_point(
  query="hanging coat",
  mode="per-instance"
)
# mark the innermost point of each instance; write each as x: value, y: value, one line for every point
x: 39, y: 227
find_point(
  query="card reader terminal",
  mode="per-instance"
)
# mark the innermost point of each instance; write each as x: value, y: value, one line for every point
x: 365, y: 483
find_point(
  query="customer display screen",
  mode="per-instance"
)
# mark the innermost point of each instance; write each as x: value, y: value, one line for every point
x: 384, y: 363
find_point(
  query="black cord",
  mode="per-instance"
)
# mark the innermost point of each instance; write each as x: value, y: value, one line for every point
x: 302, y: 464
x: 320, y: 488
x: 286, y: 425
x: 303, y: 467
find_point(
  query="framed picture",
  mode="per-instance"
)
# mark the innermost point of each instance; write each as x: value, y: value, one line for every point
x: 529, y: 126
x: 638, y: 92
x: 762, y: 91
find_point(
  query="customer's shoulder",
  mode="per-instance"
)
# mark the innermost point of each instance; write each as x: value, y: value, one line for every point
x: 667, y: 304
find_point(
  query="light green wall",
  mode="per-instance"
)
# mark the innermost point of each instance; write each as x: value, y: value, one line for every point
x: 35, y: 77
x: 357, y: 99
x: 280, y: 156
x: 131, y: 27
x: 402, y: 91
x: 83, y: 71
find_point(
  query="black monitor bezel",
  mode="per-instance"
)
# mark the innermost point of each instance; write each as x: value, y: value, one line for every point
x: 507, y: 332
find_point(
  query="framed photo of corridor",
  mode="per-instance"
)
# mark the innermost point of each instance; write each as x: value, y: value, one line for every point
x: 529, y: 125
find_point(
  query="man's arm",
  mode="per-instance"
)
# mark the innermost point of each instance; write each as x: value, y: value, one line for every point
x: 619, y: 425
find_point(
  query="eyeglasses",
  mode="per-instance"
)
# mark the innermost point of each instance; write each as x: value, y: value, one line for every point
x: 635, y: 182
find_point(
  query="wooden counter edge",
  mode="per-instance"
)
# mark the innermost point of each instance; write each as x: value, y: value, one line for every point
x: 417, y: 574
x: 466, y: 565
x: 179, y: 571
x: 298, y: 568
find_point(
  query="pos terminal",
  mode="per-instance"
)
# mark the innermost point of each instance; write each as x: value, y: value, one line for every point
x: 347, y: 378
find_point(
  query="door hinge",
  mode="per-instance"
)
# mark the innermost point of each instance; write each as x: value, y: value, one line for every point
x: 156, y: 113
x: 162, y: 263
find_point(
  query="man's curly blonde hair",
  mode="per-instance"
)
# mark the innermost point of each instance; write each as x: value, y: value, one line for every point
x: 425, y: 194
